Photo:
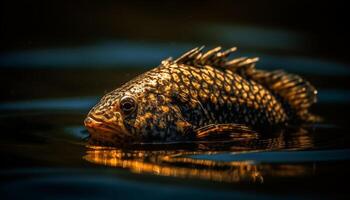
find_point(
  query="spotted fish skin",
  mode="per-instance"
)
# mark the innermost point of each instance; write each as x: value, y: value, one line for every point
x: 171, y: 101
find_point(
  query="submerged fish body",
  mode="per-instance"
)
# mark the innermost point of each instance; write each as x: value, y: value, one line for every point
x: 200, y: 95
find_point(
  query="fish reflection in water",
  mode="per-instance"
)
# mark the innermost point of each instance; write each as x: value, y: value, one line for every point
x: 183, y: 163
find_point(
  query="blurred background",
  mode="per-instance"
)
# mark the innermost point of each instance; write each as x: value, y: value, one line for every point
x: 41, y: 24
x: 57, y: 58
x: 62, y: 48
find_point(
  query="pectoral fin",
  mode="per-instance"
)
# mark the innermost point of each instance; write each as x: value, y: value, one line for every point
x: 224, y: 131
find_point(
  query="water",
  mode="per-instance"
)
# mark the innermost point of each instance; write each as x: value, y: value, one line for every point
x: 45, y: 155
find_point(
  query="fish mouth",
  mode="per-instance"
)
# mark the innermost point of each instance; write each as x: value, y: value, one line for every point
x: 95, y: 125
x: 104, y: 133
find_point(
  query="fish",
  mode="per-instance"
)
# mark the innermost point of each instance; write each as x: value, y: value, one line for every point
x: 198, y: 96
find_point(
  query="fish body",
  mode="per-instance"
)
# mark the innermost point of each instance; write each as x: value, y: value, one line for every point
x: 200, y: 94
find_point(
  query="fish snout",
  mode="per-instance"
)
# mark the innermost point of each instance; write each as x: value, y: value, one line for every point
x: 89, y: 122
x: 103, y: 129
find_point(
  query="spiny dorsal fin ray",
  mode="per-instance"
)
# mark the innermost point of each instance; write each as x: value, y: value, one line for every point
x: 189, y: 55
x: 216, y: 58
x: 208, y: 55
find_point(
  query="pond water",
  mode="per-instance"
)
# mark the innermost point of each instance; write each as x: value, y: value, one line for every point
x: 44, y: 151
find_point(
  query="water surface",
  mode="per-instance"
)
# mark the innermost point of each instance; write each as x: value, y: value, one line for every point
x: 45, y: 154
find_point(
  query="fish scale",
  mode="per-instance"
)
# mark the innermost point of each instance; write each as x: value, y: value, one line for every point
x: 216, y: 98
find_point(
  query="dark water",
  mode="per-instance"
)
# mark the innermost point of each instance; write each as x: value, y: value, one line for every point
x: 44, y: 154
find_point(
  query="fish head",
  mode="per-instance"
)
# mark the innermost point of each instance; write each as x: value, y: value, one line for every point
x: 106, y: 120
x: 139, y: 111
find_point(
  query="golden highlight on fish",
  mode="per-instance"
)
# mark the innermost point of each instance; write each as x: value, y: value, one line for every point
x: 198, y: 96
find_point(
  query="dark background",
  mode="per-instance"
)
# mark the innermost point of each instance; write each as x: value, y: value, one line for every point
x: 53, y: 69
x: 58, y: 49
x: 36, y: 24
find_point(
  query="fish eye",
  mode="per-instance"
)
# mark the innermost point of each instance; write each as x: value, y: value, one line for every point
x: 127, y: 105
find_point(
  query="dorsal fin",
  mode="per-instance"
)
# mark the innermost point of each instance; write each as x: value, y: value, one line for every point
x: 215, y: 58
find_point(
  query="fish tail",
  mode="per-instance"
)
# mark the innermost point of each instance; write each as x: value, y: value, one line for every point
x: 298, y: 93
